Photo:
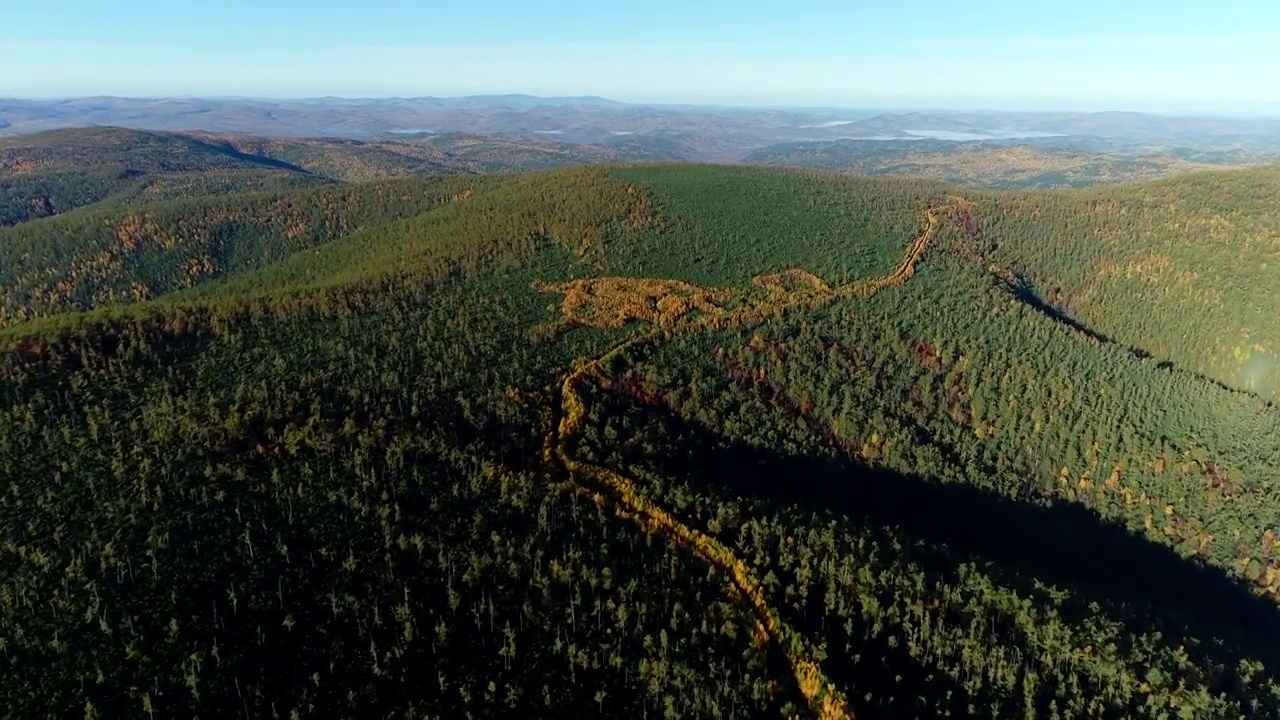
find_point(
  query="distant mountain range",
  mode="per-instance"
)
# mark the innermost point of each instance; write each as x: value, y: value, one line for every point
x: 703, y: 132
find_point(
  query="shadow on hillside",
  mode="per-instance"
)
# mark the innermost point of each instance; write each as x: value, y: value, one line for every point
x: 1109, y: 570
x: 232, y: 151
x: 1022, y: 289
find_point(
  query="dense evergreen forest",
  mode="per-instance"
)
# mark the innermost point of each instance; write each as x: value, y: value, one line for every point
x: 665, y: 441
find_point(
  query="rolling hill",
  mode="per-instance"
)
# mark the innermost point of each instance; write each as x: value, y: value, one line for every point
x: 58, y: 171
x: 716, y: 133
x: 445, y: 153
x: 987, y: 164
x: 683, y: 440
x: 55, y: 172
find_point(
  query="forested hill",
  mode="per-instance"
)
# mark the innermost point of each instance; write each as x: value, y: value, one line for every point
x: 120, y: 254
x: 675, y: 441
x: 1003, y: 164
x: 58, y: 171
x: 1175, y: 269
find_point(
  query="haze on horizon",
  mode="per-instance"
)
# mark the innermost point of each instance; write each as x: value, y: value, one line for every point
x: 989, y: 54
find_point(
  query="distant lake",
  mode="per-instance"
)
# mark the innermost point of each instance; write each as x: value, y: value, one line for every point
x: 549, y: 132
x: 877, y: 137
x: 954, y: 135
x: 831, y: 124
x: 987, y: 135
x: 412, y: 131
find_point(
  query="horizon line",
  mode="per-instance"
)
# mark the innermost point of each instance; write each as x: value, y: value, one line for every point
x: 801, y: 106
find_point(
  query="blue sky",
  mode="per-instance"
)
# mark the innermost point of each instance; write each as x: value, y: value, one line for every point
x: 1221, y: 55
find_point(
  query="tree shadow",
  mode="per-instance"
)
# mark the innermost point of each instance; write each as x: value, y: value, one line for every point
x: 1108, y: 570
x: 226, y: 148
x: 1025, y: 292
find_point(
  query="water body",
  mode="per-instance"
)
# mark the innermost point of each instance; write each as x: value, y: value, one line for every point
x: 549, y: 132
x: 960, y: 136
x: 831, y: 124
x: 621, y: 132
x: 878, y: 137
x: 412, y: 131
x: 954, y: 135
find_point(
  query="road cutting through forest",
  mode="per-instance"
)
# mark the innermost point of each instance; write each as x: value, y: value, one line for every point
x: 606, y: 486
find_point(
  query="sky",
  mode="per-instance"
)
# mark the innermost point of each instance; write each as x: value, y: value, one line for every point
x: 1218, y: 56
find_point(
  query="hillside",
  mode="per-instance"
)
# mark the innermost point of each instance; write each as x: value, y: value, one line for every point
x: 1174, y: 269
x: 90, y: 149
x: 55, y: 172
x: 121, y: 254
x: 505, y: 153
x: 443, y: 154
x: 986, y: 164
x: 345, y: 160
x: 678, y: 440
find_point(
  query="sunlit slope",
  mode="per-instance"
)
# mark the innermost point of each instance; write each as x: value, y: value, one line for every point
x: 1182, y: 269
x: 56, y: 172
x: 686, y: 441
x: 507, y: 219
x: 344, y: 160
x: 107, y: 257
x: 717, y: 225
x: 111, y: 148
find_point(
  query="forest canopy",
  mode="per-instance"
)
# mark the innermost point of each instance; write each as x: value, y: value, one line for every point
x: 681, y: 441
